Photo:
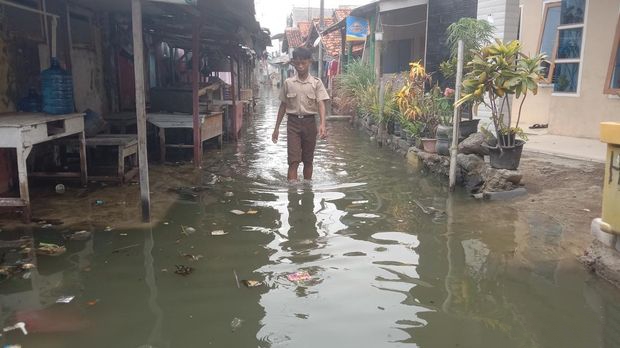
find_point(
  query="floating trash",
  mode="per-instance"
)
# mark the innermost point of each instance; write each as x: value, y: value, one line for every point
x: 252, y: 212
x: 251, y: 283
x: 187, y: 230
x: 93, y: 302
x: 99, y: 202
x: 65, y: 299
x: 298, y: 276
x: 229, y: 194
x: 60, y: 188
x: 108, y: 229
x: 18, y: 326
x: 46, y: 226
x: 183, y: 270
x: 192, y: 257
x: 236, y: 323
x: 360, y: 202
x: 50, y: 249
x: 366, y: 216
x: 28, y: 266
x: 79, y: 235
x: 218, y: 233
x: 237, y: 212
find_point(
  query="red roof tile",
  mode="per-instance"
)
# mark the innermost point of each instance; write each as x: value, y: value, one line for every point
x: 341, y: 13
x: 332, y: 41
x: 304, y: 29
x: 293, y: 36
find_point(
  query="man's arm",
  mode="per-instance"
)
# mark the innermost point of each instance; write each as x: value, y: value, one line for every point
x: 276, y: 131
x: 322, y: 127
x: 322, y: 96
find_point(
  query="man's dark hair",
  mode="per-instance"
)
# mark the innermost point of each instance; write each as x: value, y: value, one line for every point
x: 302, y: 53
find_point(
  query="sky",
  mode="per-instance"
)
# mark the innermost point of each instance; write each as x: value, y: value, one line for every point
x: 272, y: 13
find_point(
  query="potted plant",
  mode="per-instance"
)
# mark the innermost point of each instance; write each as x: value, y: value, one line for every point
x: 496, y: 73
x: 415, y: 106
x: 475, y: 34
x: 440, y: 104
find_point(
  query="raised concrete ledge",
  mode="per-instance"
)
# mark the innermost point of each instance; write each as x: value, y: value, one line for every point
x: 607, y: 239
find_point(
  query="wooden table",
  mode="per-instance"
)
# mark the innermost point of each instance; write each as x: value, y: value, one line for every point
x: 210, y: 127
x: 121, y: 121
x: 127, y: 145
x: 22, y: 131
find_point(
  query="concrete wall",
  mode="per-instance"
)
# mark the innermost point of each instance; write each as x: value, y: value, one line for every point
x: 578, y: 115
x: 504, y: 14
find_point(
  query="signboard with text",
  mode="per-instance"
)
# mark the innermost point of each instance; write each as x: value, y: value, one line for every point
x: 357, y: 29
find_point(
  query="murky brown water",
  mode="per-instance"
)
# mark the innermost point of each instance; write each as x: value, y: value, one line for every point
x: 383, y: 272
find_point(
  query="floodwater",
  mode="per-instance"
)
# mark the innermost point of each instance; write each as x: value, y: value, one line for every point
x: 393, y: 261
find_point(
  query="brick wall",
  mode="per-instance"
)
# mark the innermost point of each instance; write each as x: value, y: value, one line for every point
x: 442, y: 13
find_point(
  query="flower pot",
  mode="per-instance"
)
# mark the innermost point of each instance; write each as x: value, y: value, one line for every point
x: 506, y: 157
x: 397, y: 128
x: 444, y: 139
x: 429, y: 145
x: 468, y: 127
x: 403, y: 134
x: 411, y: 138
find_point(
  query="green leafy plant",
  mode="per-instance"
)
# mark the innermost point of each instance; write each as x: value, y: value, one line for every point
x: 353, y: 85
x: 496, y: 73
x: 475, y: 33
x: 426, y: 108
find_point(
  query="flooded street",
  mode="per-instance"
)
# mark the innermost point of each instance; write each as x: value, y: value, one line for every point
x: 388, y: 257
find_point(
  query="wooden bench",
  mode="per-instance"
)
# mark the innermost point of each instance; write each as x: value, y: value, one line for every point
x: 127, y: 145
x: 210, y: 127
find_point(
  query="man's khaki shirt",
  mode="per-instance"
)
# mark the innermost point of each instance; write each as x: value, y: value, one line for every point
x: 302, y: 97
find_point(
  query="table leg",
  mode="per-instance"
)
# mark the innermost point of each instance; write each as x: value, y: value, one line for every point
x: 162, y: 145
x: 22, y: 173
x: 121, y: 164
x: 83, y: 164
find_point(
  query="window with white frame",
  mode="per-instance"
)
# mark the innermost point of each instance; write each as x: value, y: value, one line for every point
x: 569, y: 46
x: 548, y: 34
x: 612, y: 83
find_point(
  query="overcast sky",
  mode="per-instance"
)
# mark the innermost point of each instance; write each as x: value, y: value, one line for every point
x: 272, y: 13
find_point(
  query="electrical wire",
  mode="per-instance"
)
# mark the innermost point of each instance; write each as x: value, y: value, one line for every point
x: 403, y: 25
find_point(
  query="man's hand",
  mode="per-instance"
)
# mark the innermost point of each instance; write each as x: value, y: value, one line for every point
x: 322, y: 131
x: 275, y: 135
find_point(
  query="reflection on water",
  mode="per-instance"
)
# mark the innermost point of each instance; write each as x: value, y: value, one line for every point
x: 385, y: 269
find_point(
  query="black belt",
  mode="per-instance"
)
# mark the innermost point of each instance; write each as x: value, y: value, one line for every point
x: 301, y: 116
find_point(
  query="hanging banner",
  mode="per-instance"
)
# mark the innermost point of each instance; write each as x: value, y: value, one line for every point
x: 357, y: 29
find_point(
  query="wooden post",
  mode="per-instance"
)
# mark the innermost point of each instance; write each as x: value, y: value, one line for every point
x: 138, y: 64
x: 233, y: 95
x: 343, y: 49
x: 456, y: 120
x: 321, y: 24
x: 195, y: 96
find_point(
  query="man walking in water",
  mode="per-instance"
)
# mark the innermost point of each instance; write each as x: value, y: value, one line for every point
x: 302, y: 97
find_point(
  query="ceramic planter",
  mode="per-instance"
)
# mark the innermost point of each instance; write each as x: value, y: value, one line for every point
x: 429, y: 145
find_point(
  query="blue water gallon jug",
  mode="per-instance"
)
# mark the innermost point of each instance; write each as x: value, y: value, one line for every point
x: 57, y: 88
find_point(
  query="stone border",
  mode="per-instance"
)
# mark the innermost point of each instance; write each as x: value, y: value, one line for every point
x: 473, y: 172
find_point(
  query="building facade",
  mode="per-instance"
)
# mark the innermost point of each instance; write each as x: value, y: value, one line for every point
x: 581, y: 40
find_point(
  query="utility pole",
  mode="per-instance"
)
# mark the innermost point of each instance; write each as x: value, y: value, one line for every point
x: 138, y: 54
x: 321, y: 23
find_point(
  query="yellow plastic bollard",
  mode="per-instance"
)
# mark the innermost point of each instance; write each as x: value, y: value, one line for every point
x: 610, y: 134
